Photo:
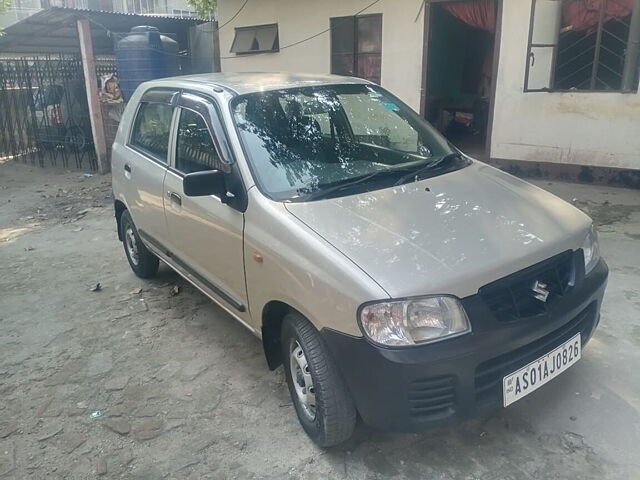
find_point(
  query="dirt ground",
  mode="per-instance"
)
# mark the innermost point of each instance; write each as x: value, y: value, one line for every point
x: 145, y: 381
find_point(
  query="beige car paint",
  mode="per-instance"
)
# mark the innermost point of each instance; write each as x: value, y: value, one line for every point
x: 302, y: 269
x: 142, y: 187
x: 326, y: 258
x: 207, y: 235
x: 449, y: 234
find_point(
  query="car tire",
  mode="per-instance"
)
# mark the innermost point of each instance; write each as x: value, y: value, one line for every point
x: 328, y: 416
x: 143, y: 263
x: 75, y: 139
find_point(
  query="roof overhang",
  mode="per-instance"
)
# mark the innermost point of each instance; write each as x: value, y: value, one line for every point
x: 54, y: 30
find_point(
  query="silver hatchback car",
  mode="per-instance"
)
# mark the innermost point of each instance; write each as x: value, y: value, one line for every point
x: 395, y: 278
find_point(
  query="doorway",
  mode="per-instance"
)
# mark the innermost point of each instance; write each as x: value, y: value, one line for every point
x: 460, y: 71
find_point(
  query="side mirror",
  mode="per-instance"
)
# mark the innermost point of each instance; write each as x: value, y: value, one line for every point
x: 207, y: 182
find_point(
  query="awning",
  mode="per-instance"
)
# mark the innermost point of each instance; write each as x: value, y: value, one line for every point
x: 54, y: 30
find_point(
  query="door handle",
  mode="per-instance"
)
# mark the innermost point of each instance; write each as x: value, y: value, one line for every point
x: 175, y: 198
x: 127, y: 168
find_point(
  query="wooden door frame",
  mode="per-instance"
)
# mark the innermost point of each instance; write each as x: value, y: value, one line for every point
x: 424, y: 104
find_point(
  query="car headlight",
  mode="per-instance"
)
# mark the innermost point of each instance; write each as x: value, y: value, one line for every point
x: 591, y: 250
x: 413, y: 321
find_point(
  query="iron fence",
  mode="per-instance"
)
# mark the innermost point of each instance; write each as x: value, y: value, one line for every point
x: 44, y: 112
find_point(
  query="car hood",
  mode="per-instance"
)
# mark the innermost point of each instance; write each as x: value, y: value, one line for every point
x: 449, y: 234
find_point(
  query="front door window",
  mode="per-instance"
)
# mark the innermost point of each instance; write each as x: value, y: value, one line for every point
x: 195, y: 150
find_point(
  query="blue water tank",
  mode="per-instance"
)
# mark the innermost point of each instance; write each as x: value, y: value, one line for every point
x: 144, y: 54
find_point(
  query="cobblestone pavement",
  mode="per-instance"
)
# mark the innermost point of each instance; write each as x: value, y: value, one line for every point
x: 136, y: 381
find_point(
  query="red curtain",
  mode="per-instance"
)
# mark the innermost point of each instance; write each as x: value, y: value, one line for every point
x: 580, y: 15
x: 477, y: 13
x: 576, y: 14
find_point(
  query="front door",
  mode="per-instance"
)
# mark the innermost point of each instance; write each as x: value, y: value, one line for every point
x: 205, y: 234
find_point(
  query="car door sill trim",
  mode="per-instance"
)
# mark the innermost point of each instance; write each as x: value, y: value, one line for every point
x: 182, y: 264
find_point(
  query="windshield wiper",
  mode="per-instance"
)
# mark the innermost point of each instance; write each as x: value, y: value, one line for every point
x: 432, y: 165
x: 346, y: 184
x: 325, y: 193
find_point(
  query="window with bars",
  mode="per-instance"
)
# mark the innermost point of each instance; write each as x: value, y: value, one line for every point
x: 580, y: 45
x: 356, y: 46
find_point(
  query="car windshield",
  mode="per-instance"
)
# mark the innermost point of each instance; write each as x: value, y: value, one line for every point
x: 333, y: 140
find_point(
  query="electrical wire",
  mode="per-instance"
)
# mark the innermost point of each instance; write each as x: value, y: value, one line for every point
x: 228, y: 21
x: 109, y: 32
x: 304, y: 39
x: 244, y: 55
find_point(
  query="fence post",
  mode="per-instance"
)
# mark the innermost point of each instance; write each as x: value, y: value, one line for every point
x: 91, y: 85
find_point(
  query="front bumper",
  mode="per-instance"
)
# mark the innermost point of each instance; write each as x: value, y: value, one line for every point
x: 449, y: 381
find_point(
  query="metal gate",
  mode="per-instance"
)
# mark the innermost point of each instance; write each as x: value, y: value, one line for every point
x: 44, y: 116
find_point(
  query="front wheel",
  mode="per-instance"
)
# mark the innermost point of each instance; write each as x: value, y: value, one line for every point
x: 321, y: 399
x: 143, y: 263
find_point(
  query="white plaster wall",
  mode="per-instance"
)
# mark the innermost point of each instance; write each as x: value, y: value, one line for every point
x: 601, y: 129
x: 299, y: 19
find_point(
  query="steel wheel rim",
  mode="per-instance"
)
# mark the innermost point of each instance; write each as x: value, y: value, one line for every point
x: 131, y: 244
x: 302, y: 381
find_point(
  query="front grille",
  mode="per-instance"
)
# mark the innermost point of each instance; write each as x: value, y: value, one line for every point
x: 512, y: 298
x: 432, y: 397
x: 489, y: 375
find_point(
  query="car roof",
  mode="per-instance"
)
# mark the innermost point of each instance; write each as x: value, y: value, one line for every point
x: 250, y: 82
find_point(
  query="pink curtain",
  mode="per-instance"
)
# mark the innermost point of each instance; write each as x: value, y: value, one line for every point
x: 580, y: 15
x: 477, y: 13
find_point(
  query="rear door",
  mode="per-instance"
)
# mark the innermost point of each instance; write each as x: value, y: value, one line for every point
x: 205, y: 234
x: 145, y: 163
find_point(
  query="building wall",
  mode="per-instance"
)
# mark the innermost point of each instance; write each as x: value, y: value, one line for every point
x: 597, y: 129
x: 402, y: 30
x: 581, y: 128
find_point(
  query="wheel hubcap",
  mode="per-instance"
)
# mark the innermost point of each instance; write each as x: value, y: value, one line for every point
x: 131, y: 245
x: 302, y: 381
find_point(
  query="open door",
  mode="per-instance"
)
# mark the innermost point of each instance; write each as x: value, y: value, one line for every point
x: 460, y: 71
x: 543, y: 41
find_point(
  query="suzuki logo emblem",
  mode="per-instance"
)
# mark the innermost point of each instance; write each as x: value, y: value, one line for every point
x: 540, y: 291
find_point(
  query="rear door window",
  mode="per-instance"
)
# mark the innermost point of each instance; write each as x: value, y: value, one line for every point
x: 151, y: 129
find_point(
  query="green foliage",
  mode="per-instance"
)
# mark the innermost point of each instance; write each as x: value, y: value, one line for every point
x: 4, y: 6
x: 204, y: 8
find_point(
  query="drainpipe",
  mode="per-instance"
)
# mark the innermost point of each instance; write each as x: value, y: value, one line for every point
x: 633, y: 50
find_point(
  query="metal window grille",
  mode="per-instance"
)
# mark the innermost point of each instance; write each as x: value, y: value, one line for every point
x: 601, y: 58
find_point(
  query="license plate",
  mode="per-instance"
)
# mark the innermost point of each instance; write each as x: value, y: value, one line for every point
x: 531, y: 377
